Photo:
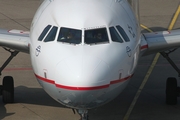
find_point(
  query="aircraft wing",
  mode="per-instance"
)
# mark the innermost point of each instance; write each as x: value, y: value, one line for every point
x: 15, y: 39
x: 159, y: 41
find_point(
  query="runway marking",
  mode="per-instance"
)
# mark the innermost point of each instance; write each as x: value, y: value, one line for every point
x: 127, y: 115
x: 146, y: 28
x: 141, y: 86
x: 176, y: 15
x: 17, y: 69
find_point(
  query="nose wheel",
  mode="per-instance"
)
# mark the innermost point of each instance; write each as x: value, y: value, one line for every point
x: 83, y: 113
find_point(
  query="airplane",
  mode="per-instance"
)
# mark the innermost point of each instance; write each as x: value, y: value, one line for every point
x: 84, y: 52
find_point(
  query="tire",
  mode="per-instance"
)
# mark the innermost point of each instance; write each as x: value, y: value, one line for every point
x: 8, y: 89
x: 171, y: 91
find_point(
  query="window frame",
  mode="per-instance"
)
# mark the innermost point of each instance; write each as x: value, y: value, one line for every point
x: 70, y: 29
x: 100, y: 42
x: 47, y: 35
x: 123, y: 33
x: 117, y: 34
x: 42, y: 36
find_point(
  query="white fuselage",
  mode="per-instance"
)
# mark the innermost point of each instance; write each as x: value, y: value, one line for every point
x: 84, y: 75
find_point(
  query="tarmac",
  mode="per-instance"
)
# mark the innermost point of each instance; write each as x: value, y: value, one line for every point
x: 137, y: 102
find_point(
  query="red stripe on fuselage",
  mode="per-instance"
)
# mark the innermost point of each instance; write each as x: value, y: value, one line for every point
x: 144, y: 47
x: 45, y: 79
x: 82, y: 88
x: 120, y: 80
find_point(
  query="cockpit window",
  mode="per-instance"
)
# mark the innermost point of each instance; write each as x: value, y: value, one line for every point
x: 68, y: 35
x: 51, y: 35
x: 94, y: 36
x: 123, y: 33
x: 46, y: 29
x: 114, y: 35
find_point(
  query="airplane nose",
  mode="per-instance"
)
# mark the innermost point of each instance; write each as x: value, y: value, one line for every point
x: 81, y: 71
x: 78, y: 78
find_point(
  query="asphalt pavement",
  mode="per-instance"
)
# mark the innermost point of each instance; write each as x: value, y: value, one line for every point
x: 32, y: 103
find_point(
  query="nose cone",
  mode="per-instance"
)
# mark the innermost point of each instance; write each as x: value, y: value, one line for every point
x: 78, y: 78
x: 81, y: 71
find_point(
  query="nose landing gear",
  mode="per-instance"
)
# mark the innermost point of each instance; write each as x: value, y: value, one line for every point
x: 83, y: 113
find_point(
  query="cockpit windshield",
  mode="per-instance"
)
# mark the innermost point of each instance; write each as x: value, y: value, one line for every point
x: 74, y: 36
x: 68, y: 35
x: 94, y: 36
